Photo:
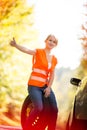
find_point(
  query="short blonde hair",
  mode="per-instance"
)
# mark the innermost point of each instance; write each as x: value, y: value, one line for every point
x: 51, y: 35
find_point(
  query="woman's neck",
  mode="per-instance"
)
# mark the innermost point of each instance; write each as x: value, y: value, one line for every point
x: 48, y: 51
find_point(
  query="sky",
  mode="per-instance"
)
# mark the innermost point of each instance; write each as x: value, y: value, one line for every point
x: 63, y: 18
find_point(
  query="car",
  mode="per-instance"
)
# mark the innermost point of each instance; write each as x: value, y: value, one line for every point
x: 77, y: 119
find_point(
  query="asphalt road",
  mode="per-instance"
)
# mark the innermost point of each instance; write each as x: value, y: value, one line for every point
x: 2, y: 127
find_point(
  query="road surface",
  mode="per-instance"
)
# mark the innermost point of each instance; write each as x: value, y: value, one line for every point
x: 2, y: 127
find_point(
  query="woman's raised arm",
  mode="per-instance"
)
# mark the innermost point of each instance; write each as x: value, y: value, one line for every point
x: 21, y: 48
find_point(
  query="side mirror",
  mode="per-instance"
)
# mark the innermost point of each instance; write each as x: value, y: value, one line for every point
x: 75, y: 81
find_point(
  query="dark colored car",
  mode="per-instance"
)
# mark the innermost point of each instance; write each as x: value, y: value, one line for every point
x: 78, y: 116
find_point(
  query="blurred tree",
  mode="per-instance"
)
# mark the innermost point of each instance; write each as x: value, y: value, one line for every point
x: 81, y: 71
x: 16, y: 20
x: 84, y: 43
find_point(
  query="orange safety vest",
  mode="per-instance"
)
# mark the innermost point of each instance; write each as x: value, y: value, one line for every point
x: 40, y: 72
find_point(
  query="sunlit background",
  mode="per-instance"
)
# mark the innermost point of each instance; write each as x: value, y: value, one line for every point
x: 63, y: 19
x: 29, y: 22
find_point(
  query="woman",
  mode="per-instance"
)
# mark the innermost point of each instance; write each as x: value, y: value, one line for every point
x: 41, y: 80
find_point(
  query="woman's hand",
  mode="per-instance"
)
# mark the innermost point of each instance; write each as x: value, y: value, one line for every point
x: 13, y: 43
x: 47, y: 92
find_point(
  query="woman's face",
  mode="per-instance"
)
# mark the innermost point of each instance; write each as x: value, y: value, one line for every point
x: 51, y: 42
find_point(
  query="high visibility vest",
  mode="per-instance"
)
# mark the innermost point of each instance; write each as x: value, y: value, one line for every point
x: 40, y: 71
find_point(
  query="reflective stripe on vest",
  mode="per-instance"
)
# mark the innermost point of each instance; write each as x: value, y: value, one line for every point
x: 40, y: 71
x: 38, y: 78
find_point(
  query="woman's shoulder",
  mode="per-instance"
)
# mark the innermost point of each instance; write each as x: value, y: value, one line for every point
x: 55, y: 59
x: 39, y: 50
